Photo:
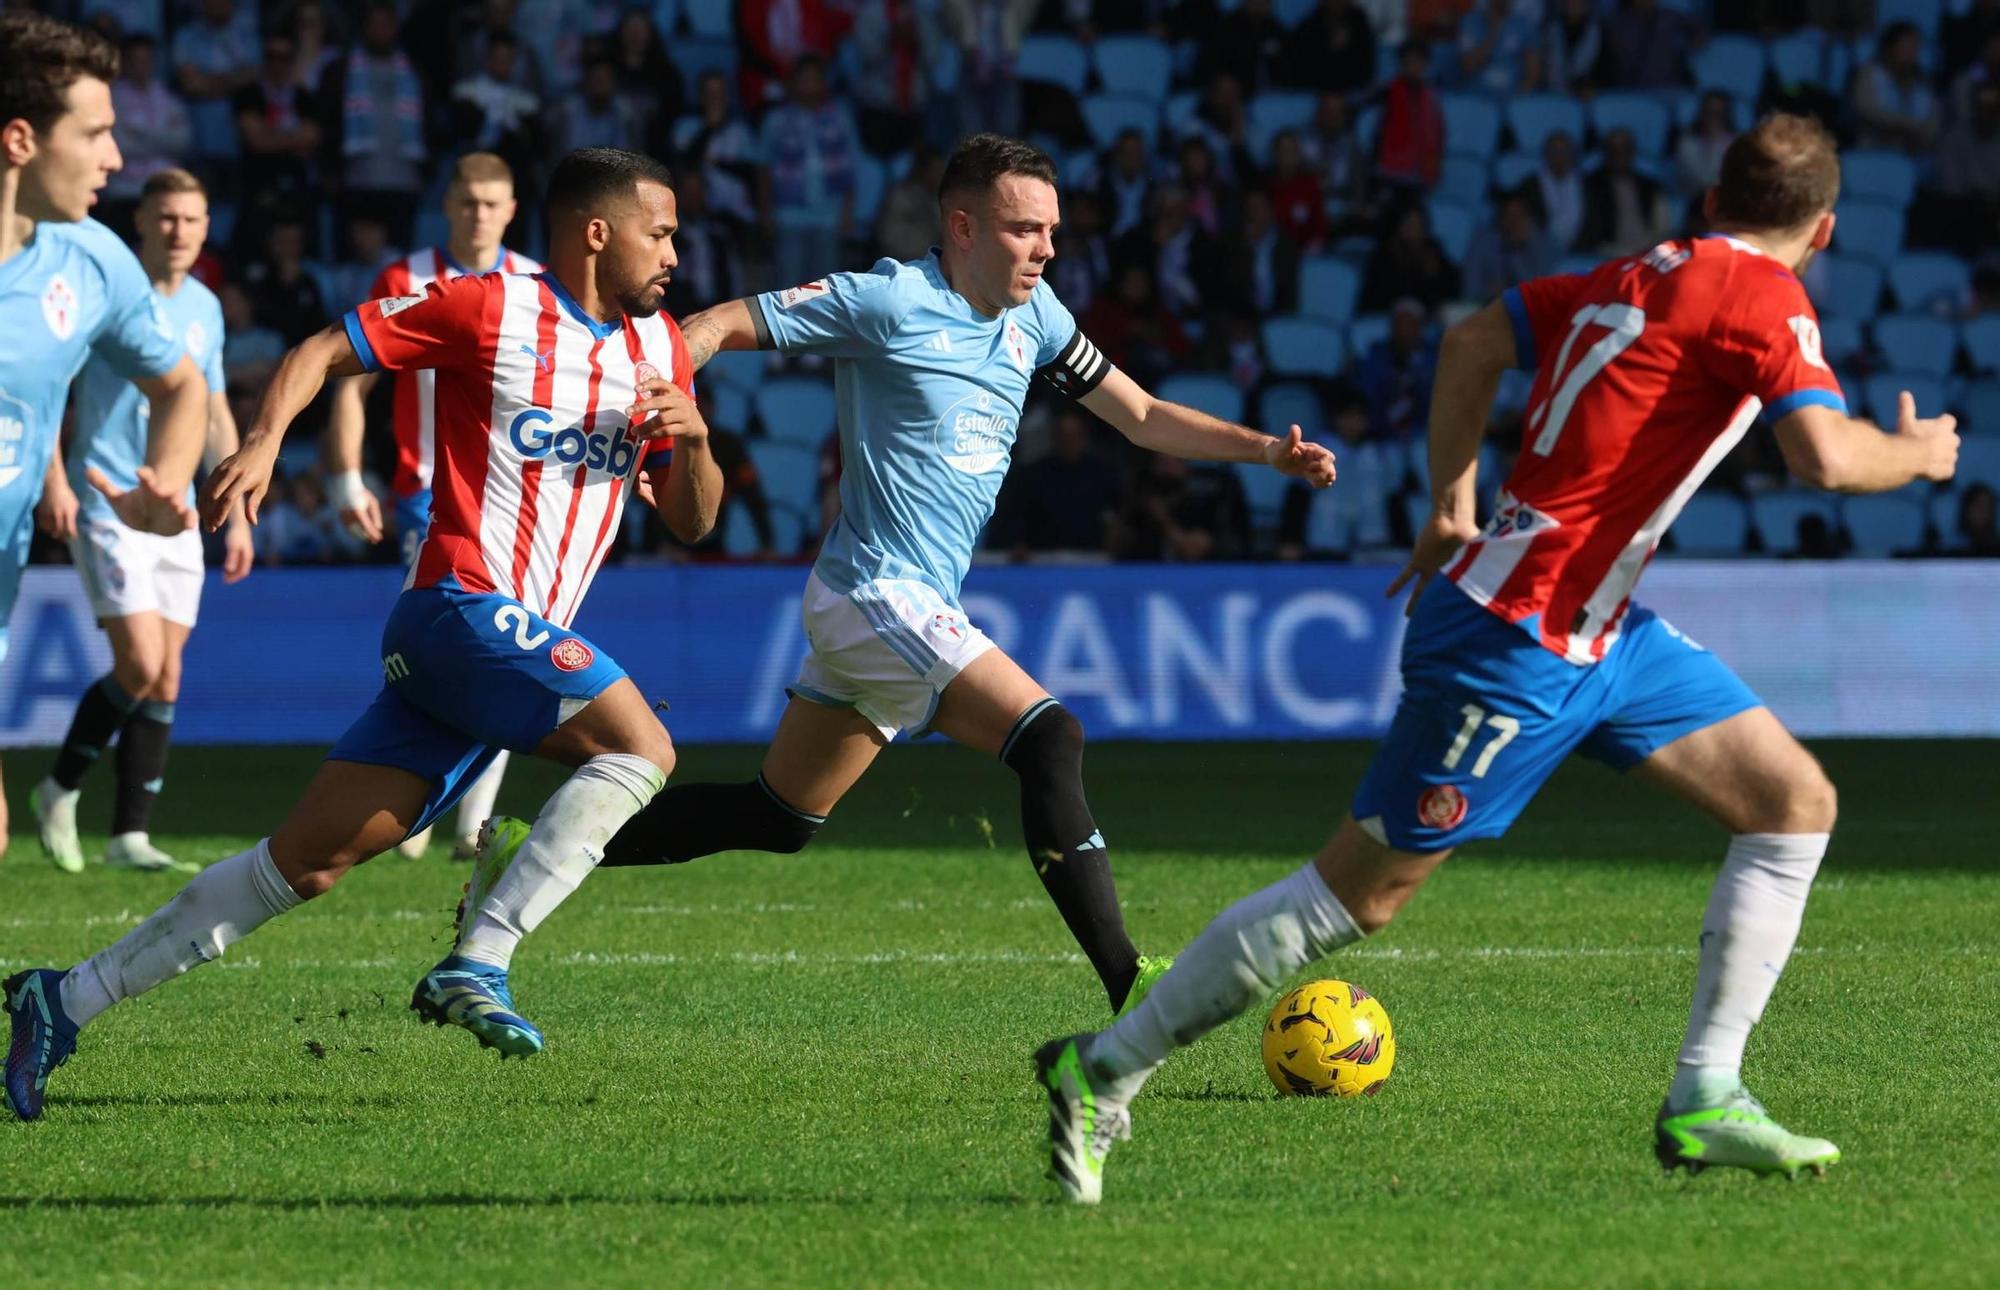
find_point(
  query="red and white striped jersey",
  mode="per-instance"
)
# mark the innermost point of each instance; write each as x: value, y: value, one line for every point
x: 1647, y: 372
x: 535, y: 451
x: 415, y: 395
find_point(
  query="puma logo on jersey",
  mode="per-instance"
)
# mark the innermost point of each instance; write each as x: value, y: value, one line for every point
x: 543, y: 358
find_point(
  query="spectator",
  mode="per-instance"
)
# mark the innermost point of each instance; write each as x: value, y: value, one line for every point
x: 1698, y: 157
x: 369, y: 251
x: 988, y: 35
x: 907, y: 226
x: 1250, y: 48
x: 1260, y: 272
x: 1411, y: 149
x: 711, y: 267
x: 215, y: 56
x: 250, y: 350
x: 1409, y: 262
x: 316, y: 54
x: 1976, y: 533
x: 1315, y: 524
x: 1893, y: 103
x: 152, y: 131
x: 1622, y: 210
x: 1968, y: 176
x: 283, y: 293
x: 649, y: 85
x: 1183, y: 512
x: 594, y: 116
x: 1296, y: 196
x: 1574, y: 49
x: 1650, y: 45
x: 1508, y: 251
x: 1182, y: 258
x: 1557, y: 191
x: 1126, y: 189
x: 891, y: 76
x: 1062, y: 503
x: 279, y: 121
x: 494, y: 111
x: 1334, y: 49
x: 118, y: 19
x: 807, y: 196
x: 773, y: 35
x: 1333, y: 150
x: 1395, y: 374
x: 1082, y: 267
x: 721, y: 143
x: 1497, y: 49
x: 296, y: 526
x: 1142, y: 339
x: 1224, y: 122
x: 1984, y: 69
x: 381, y: 126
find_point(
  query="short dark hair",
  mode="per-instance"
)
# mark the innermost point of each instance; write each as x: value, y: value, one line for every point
x: 584, y: 179
x: 1778, y: 174
x: 981, y: 161
x: 40, y: 58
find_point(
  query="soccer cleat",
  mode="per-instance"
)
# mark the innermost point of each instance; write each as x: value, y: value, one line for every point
x: 1150, y: 972
x: 1741, y: 1133
x: 42, y: 1037
x: 460, y: 992
x: 414, y: 846
x: 493, y: 850
x: 136, y: 851
x: 55, y: 808
x: 1081, y: 1128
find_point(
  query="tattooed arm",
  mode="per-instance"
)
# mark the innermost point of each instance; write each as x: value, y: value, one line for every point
x: 734, y: 324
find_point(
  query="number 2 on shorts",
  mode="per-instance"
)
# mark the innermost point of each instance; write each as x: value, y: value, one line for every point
x: 1504, y: 730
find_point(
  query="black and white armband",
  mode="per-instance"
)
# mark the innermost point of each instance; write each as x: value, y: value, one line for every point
x: 1078, y: 370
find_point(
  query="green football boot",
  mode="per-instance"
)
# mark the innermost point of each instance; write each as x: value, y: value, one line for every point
x: 1150, y: 972
x: 1081, y: 1127
x: 1741, y: 1133
x: 499, y: 838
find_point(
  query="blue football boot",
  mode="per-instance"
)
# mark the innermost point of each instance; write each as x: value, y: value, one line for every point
x: 460, y: 992
x: 43, y: 1037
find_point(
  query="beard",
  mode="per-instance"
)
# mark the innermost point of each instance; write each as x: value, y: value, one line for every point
x: 645, y: 302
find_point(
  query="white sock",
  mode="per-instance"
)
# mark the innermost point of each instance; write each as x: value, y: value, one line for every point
x: 560, y: 851
x: 1246, y: 953
x: 1747, y: 933
x: 220, y: 906
x: 477, y: 804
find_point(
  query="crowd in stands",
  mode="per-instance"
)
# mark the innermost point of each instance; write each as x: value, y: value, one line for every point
x: 1271, y: 208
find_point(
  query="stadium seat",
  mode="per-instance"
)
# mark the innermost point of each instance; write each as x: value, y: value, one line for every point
x: 1979, y: 409
x: 1288, y: 404
x: 1924, y: 15
x: 1643, y: 114
x: 1849, y: 288
x: 1055, y: 60
x: 1140, y: 66
x: 1300, y: 346
x: 1868, y: 230
x: 1471, y: 124
x: 1981, y: 338
x: 796, y: 409
x: 1364, y: 331
x: 1777, y: 517
x: 1276, y: 110
x: 1879, y: 176
x: 1882, y: 526
x: 1264, y: 489
x: 739, y: 534
x: 789, y: 472
x: 1734, y: 64
x: 1881, y: 390
x: 1463, y: 179
x: 715, y: 19
x: 1800, y: 58
x: 1180, y: 112
x: 1944, y: 517
x: 1216, y: 395
x: 1579, y: 262
x: 1712, y: 524
x: 1328, y: 287
x: 728, y: 406
x: 698, y: 57
x: 1453, y: 225
x: 1534, y: 117
x: 1839, y: 338
x: 1917, y: 343
x: 1921, y: 278
x: 1979, y: 462
x: 431, y: 228
x: 1513, y: 169
x: 1109, y: 115
x: 742, y: 368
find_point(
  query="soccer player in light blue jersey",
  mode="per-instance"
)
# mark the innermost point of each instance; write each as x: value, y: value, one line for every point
x: 932, y: 361
x: 67, y: 285
x: 144, y: 588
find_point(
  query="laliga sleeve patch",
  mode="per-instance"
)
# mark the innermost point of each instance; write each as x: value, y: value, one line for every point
x: 800, y: 294
x: 1078, y: 370
x: 1442, y: 807
x: 394, y: 305
x: 571, y: 655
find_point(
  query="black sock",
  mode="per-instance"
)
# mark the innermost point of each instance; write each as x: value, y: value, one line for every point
x: 142, y: 765
x: 103, y: 708
x: 1046, y: 751
x: 688, y: 821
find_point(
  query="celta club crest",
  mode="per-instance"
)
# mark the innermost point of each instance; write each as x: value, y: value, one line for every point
x: 59, y: 307
x: 197, y: 338
x: 1017, y: 345
x: 948, y: 624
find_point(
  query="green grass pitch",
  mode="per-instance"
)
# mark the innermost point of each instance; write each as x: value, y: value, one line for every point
x: 814, y: 1070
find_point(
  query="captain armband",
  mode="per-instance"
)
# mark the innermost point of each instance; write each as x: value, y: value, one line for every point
x: 1078, y: 370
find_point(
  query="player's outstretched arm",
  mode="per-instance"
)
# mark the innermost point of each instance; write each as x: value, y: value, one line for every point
x: 246, y: 474
x: 733, y: 324
x: 357, y: 508
x: 1826, y: 448
x: 1178, y: 431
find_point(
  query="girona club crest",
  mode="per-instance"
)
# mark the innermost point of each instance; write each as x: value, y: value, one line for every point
x: 1442, y: 807
x: 571, y: 655
x: 643, y: 373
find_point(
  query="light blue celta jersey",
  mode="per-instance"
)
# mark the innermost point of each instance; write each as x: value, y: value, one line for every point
x: 929, y: 397
x: 112, y: 415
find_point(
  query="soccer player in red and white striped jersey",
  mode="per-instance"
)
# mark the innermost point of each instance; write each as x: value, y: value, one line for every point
x: 479, y: 205
x: 1647, y: 372
x: 553, y: 391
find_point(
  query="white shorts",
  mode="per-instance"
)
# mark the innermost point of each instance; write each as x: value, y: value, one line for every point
x: 886, y: 649
x: 127, y: 572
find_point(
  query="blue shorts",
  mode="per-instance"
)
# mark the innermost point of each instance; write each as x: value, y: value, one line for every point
x: 1487, y: 714
x: 413, y: 520
x: 466, y: 675
x: 14, y: 542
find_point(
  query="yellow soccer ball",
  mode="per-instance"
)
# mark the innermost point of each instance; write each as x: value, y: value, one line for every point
x: 1329, y: 1039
